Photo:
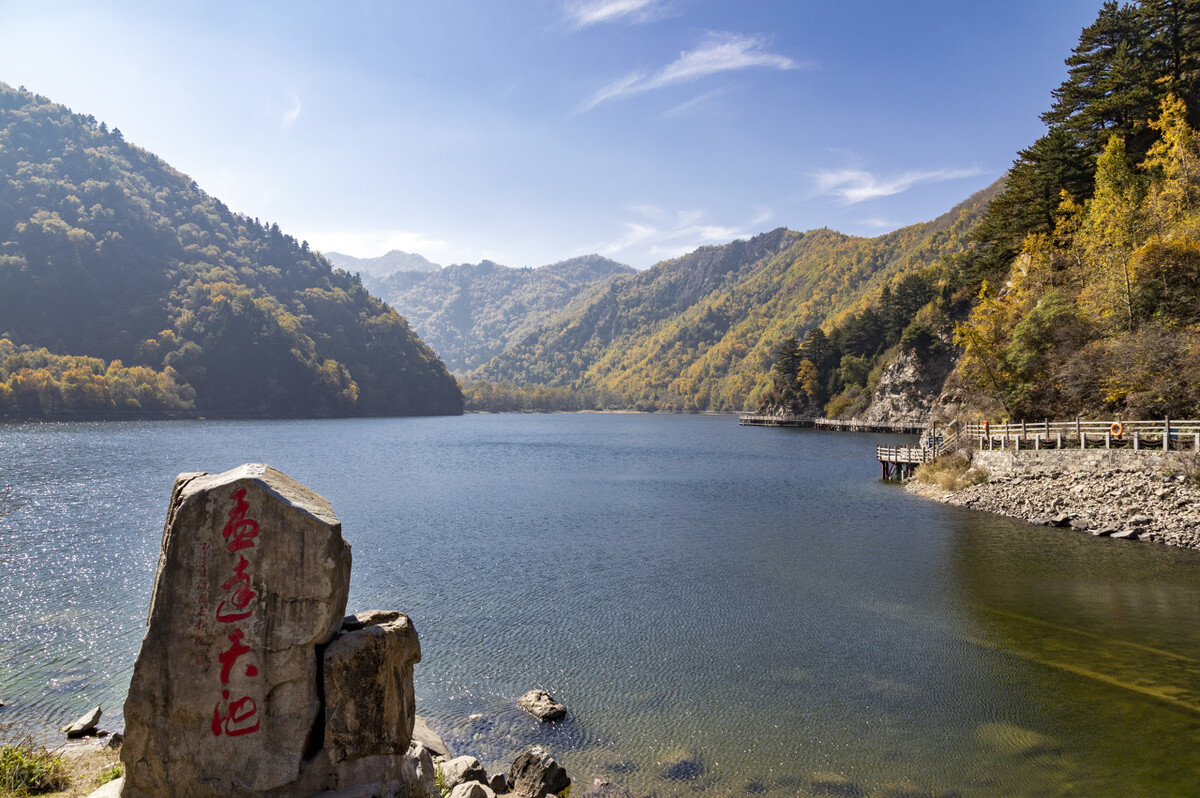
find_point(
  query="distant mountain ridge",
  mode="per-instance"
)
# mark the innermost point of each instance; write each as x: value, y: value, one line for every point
x: 383, y: 265
x: 699, y: 332
x: 108, y: 252
x: 469, y: 313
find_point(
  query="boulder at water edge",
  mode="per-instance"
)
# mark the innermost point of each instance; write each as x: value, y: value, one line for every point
x: 369, y: 702
x: 536, y: 774
x: 252, y: 577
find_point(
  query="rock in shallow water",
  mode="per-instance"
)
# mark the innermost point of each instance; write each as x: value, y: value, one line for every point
x: 603, y: 788
x: 86, y: 723
x: 681, y: 766
x: 542, y: 705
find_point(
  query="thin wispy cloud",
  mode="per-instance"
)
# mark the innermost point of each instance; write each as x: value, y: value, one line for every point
x: 293, y: 113
x: 851, y: 186
x: 693, y: 104
x: 596, y: 12
x: 723, y: 52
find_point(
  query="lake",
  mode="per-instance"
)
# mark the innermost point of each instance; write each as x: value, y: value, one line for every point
x: 756, y: 598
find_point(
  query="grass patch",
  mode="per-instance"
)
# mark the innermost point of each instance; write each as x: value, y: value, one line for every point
x: 951, y: 472
x: 110, y: 774
x: 26, y: 770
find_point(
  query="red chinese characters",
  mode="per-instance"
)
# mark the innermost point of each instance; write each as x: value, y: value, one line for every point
x: 234, y: 717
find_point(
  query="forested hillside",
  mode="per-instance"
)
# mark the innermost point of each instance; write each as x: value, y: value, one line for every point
x: 469, y: 313
x: 1087, y: 268
x: 1079, y: 291
x: 701, y: 332
x: 107, y: 252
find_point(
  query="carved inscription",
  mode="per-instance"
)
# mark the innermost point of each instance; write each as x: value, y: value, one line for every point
x: 236, y: 716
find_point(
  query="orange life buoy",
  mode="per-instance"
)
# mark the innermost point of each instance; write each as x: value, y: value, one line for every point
x: 1117, y: 429
x: 985, y: 428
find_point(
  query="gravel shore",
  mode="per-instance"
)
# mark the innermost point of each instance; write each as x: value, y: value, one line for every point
x: 1131, y: 504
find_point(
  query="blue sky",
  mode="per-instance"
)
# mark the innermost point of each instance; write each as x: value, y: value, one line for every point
x: 532, y: 131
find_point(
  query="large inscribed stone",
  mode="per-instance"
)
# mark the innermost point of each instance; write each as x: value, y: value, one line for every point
x: 225, y: 697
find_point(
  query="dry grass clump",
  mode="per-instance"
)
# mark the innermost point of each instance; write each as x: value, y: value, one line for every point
x: 28, y: 770
x: 951, y: 472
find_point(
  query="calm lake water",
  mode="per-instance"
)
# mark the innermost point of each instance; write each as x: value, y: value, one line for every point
x: 755, y: 597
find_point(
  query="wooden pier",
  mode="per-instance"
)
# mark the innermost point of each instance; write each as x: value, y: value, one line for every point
x: 899, y: 462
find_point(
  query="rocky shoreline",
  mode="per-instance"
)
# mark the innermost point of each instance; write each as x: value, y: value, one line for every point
x: 1127, y: 501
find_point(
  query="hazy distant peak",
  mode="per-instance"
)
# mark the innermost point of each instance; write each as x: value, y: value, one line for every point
x: 382, y: 266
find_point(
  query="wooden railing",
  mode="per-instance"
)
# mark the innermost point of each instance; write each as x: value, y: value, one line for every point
x: 904, y: 454
x: 774, y: 420
x: 1164, y: 435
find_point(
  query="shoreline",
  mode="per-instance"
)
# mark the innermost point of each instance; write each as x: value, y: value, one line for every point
x: 1124, y: 500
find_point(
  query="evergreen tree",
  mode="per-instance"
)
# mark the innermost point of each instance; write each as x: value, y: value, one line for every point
x: 1172, y: 28
x: 1032, y: 194
x: 1113, y: 84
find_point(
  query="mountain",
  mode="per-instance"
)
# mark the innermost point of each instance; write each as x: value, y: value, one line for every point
x: 382, y: 266
x: 109, y: 255
x: 469, y: 313
x: 700, y: 332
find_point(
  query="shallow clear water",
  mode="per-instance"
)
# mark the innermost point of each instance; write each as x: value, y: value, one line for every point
x: 755, y: 597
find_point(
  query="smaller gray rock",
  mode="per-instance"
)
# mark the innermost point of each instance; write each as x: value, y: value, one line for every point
x: 115, y: 740
x: 461, y: 770
x: 421, y: 733
x: 1104, y: 531
x: 472, y: 789
x: 536, y: 774
x: 542, y: 706
x: 1125, y: 534
x: 1140, y: 520
x: 499, y: 783
x: 1062, y: 519
x: 86, y: 723
x: 419, y: 760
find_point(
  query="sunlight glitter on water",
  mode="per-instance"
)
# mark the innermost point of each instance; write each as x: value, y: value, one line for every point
x: 753, y: 598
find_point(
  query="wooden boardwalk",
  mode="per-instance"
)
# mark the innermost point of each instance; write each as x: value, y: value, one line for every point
x: 854, y: 425
x: 1162, y: 435
x: 900, y: 462
x: 839, y: 424
x: 772, y: 420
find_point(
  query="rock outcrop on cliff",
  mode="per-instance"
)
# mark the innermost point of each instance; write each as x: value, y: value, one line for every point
x: 910, y: 388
